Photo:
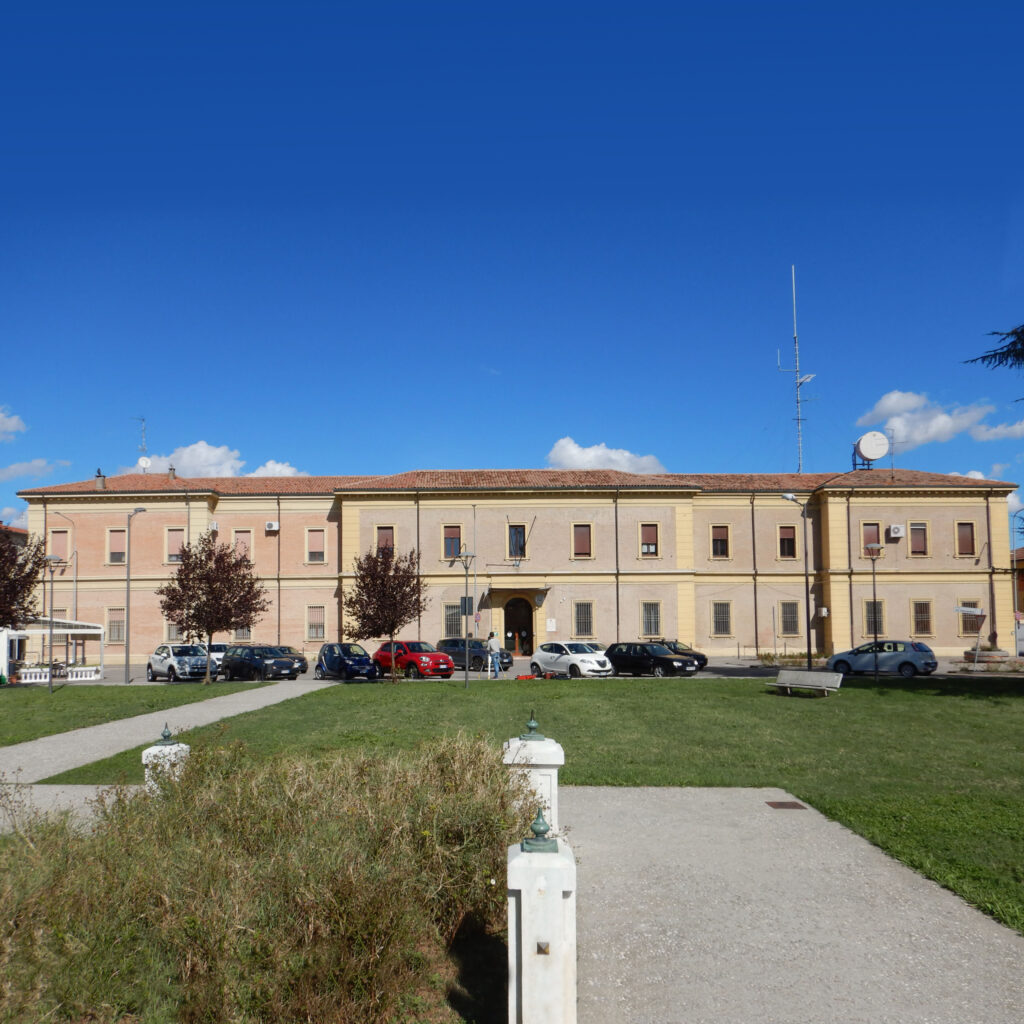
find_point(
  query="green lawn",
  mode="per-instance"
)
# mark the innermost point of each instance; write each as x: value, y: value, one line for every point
x: 28, y: 712
x: 930, y: 770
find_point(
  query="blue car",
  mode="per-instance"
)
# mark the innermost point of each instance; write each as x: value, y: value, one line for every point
x: 908, y: 657
x: 344, y: 661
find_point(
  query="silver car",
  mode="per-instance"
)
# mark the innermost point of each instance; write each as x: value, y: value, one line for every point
x: 178, y: 661
x: 908, y: 657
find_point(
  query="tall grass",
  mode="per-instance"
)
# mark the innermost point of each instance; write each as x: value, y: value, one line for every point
x: 259, y: 890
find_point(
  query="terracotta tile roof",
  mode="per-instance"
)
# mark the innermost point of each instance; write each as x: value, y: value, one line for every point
x: 523, y: 479
x: 14, y: 529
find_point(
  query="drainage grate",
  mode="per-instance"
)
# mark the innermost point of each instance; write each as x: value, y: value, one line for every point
x: 786, y: 805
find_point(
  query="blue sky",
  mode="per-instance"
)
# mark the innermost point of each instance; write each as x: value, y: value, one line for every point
x: 366, y: 238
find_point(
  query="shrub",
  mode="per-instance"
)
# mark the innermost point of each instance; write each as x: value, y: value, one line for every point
x: 259, y: 890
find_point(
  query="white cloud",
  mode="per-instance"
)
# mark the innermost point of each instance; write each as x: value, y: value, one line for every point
x: 983, y: 432
x: 971, y: 474
x: 1013, y: 502
x: 998, y: 468
x: 912, y: 420
x: 274, y: 468
x: 567, y: 454
x: 34, y: 467
x: 14, y: 517
x: 9, y: 425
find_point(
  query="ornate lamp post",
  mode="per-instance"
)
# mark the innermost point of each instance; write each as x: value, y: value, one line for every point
x: 1014, y: 530
x: 128, y: 591
x: 807, y: 575
x: 465, y: 557
x: 874, y: 550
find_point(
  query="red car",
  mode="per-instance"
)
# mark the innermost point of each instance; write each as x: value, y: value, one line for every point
x: 414, y: 658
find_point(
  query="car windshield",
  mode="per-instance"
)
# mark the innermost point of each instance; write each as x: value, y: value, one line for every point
x: 420, y: 647
x: 580, y: 648
x: 353, y: 650
x: 267, y: 652
x: 218, y: 648
x: 288, y: 650
x: 188, y: 651
x: 657, y: 649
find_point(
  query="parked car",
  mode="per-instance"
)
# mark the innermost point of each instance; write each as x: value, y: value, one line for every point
x: 179, y: 661
x: 301, y: 662
x: 455, y: 648
x: 344, y: 661
x: 216, y: 654
x: 908, y: 657
x: 638, y: 659
x: 571, y: 658
x: 683, y: 648
x: 257, y: 661
x: 414, y: 658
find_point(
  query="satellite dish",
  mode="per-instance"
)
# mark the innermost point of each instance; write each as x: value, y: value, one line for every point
x: 145, y: 463
x: 872, y: 446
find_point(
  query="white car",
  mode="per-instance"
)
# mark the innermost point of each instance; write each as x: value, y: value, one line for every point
x: 178, y: 661
x: 216, y: 654
x: 571, y: 659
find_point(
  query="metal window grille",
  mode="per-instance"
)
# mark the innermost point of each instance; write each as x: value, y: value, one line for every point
x: 922, y: 618
x: 965, y: 538
x: 874, y: 618
x: 720, y: 541
x: 245, y: 633
x: 315, y: 620
x: 452, y: 544
x: 651, y: 616
x: 787, y: 542
x: 115, y: 625
x: 173, y: 631
x: 721, y: 618
x: 59, y: 615
x: 584, y: 613
x: 918, y: 538
x: 517, y: 542
x: 970, y: 624
x: 452, y: 620
x: 649, y: 539
x: 789, y: 615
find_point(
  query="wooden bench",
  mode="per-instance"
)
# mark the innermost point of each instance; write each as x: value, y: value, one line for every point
x: 789, y: 680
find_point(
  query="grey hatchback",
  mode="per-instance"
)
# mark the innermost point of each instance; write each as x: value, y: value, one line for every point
x: 908, y: 657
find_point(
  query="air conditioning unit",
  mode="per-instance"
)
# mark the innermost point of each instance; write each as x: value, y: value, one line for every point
x: 272, y: 526
x: 897, y: 530
x: 213, y: 525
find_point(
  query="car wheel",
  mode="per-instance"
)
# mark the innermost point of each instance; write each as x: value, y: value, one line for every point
x: 478, y: 664
x: 907, y: 670
x: 535, y: 669
x: 412, y: 672
x: 171, y: 675
x: 574, y: 672
x: 659, y: 671
x: 149, y: 673
x: 229, y: 675
x: 842, y: 667
x: 379, y: 669
x: 318, y: 672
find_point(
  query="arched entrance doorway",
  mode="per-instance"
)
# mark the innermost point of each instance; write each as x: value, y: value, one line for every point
x: 518, y: 622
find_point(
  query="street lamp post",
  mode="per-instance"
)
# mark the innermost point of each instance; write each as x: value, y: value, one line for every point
x: 74, y: 585
x: 128, y: 592
x: 52, y: 561
x: 465, y: 557
x: 1014, y: 529
x: 807, y: 575
x: 873, y: 551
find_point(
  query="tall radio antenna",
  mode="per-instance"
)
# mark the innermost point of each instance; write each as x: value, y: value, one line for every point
x: 800, y: 381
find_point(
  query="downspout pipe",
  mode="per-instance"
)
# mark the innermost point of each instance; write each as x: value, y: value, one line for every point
x: 616, y: 504
x: 753, y: 552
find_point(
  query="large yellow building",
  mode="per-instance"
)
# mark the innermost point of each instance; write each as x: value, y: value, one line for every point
x: 717, y: 560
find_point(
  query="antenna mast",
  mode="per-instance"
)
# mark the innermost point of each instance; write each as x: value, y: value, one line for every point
x: 799, y: 382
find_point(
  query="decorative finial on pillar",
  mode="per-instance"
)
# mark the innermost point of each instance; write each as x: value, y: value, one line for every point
x: 539, y: 841
x: 531, y: 729
x: 165, y: 737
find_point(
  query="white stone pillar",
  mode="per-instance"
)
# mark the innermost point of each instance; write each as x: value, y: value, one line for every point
x: 539, y: 759
x: 166, y: 757
x: 541, y: 930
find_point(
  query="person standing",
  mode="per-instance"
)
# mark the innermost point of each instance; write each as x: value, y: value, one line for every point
x: 493, y: 656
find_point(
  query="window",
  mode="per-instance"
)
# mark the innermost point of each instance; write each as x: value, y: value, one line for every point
x: 173, y: 631
x: 650, y: 616
x: 452, y: 620
x: 789, y: 618
x: 516, y: 541
x: 581, y: 540
x: 315, y: 550
x: 648, y: 540
x: 965, y: 540
x: 787, y: 542
x: 59, y: 615
x: 919, y: 539
x: 870, y: 533
x: 116, y: 547
x: 874, y: 618
x: 59, y: 544
x: 921, y: 617
x: 243, y: 543
x: 385, y: 538
x: 175, y: 540
x: 245, y: 633
x: 970, y: 625
x: 115, y: 625
x: 452, y: 543
x: 583, y: 618
x: 719, y: 541
x: 315, y: 622
x: 721, y: 618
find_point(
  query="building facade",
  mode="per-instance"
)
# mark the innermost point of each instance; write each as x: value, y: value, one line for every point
x: 725, y: 562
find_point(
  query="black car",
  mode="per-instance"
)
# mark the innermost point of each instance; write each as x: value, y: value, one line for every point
x: 639, y: 659
x: 683, y: 648
x: 455, y: 648
x: 297, y: 656
x: 344, y: 661
x: 257, y: 661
